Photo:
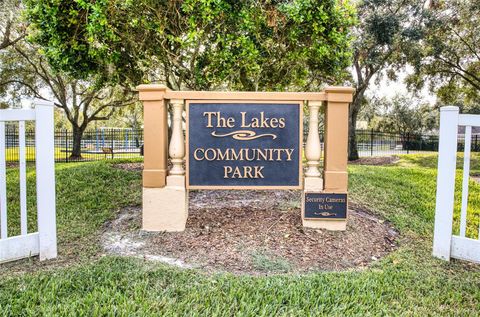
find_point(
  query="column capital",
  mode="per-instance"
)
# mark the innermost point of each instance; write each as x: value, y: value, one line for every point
x: 315, y: 103
x: 176, y: 102
x: 151, y: 92
x: 339, y: 94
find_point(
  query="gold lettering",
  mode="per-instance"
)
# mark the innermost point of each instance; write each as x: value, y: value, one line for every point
x: 263, y: 119
x: 279, y: 152
x: 247, y: 172
x: 270, y: 155
x: 244, y: 124
x: 195, y: 154
x: 209, y: 118
x: 289, y: 154
x: 237, y: 156
x: 258, y: 171
x: 222, y: 156
x: 221, y: 122
x: 212, y: 151
x: 262, y: 154
x: 230, y: 122
x: 236, y: 173
x: 281, y: 123
x: 247, y: 158
x: 226, y: 170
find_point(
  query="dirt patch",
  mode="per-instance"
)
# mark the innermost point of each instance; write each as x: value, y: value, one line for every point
x: 129, y: 166
x: 379, y: 160
x: 475, y: 178
x: 253, y: 232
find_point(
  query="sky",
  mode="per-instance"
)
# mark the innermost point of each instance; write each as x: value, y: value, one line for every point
x: 387, y: 88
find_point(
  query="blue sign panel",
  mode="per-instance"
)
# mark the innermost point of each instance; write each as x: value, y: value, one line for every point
x: 243, y: 145
x: 325, y: 206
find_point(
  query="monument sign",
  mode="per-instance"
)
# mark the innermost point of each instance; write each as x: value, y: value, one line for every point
x: 244, y: 140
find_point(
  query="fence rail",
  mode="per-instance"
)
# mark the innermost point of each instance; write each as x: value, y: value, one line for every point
x: 108, y: 143
x: 95, y: 145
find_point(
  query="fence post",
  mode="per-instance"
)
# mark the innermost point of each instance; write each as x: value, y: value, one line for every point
x: 66, y: 145
x: 408, y: 142
x: 371, y: 142
x: 447, y: 161
x: 45, y: 169
x: 476, y: 139
x: 112, y: 143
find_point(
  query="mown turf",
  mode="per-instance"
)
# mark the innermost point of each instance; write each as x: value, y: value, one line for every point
x: 88, y: 194
x: 407, y: 282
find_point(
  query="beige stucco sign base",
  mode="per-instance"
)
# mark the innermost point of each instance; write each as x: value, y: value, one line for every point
x: 165, y: 190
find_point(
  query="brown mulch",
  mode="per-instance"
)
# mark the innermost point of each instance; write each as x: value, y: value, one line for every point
x: 257, y: 232
x: 379, y: 160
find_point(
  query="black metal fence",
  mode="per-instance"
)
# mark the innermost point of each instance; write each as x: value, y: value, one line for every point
x: 374, y: 143
x: 109, y: 143
x: 99, y: 144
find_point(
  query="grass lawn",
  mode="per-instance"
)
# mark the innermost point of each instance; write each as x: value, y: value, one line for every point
x: 406, y: 282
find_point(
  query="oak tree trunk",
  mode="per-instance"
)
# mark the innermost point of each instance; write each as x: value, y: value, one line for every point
x: 352, y: 125
x: 77, y: 143
x: 352, y: 136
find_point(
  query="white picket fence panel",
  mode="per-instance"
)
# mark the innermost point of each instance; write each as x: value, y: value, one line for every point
x: 44, y: 241
x: 446, y: 245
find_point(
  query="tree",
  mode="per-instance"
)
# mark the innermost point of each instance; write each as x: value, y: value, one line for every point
x: 25, y: 72
x: 128, y: 117
x: 405, y: 116
x: 449, y: 53
x: 197, y: 44
x: 385, y: 28
x: 11, y: 29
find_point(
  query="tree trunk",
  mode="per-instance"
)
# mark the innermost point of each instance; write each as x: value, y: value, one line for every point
x: 352, y: 125
x: 352, y: 135
x: 77, y: 143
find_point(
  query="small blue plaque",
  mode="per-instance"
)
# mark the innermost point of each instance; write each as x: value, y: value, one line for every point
x: 325, y: 206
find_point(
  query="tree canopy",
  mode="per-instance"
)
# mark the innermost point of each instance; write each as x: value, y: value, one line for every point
x: 12, y: 29
x: 385, y: 29
x: 197, y: 44
x: 24, y: 72
x: 404, y: 115
x: 448, y: 53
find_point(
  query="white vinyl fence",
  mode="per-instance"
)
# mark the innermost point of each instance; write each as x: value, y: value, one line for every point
x: 445, y: 244
x: 43, y: 242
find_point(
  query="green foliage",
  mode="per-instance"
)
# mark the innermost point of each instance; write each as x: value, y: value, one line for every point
x: 12, y: 29
x: 384, y: 30
x: 404, y: 115
x: 448, y: 53
x: 197, y: 44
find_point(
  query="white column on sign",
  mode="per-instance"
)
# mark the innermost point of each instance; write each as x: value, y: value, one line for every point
x: 312, y: 148
x: 177, y: 144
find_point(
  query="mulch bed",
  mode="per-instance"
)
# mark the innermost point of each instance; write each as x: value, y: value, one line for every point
x: 254, y: 232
